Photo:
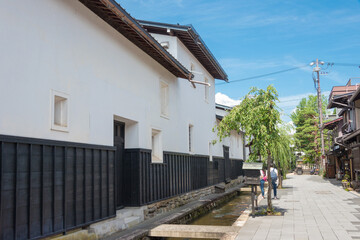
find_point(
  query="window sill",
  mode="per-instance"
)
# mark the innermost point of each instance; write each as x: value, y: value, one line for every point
x: 59, y: 128
x: 155, y: 159
x: 165, y: 116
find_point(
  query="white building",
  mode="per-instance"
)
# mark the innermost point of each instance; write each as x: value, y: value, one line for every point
x: 236, y: 141
x: 79, y: 77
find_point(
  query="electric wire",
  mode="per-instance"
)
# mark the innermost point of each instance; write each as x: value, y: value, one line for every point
x: 345, y: 64
x: 264, y: 75
x: 328, y: 64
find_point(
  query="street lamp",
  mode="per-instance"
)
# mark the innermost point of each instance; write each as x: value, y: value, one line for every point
x: 317, y: 80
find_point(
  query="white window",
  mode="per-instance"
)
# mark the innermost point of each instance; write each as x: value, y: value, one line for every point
x: 191, y: 138
x: 210, y: 152
x: 59, y: 111
x: 164, y: 95
x: 206, y: 89
x: 156, y: 146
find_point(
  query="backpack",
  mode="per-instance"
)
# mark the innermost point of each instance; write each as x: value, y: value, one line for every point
x: 273, y: 174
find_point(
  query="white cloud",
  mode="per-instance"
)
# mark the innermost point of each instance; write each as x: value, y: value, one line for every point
x: 223, y: 99
x: 291, y: 127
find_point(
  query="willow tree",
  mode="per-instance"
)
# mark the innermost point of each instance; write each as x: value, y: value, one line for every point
x: 282, y: 153
x: 258, y: 116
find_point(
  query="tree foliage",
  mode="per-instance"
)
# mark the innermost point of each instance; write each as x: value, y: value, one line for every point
x: 259, y: 117
x: 306, y: 121
x: 282, y: 152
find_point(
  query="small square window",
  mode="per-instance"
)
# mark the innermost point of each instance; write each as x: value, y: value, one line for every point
x: 156, y: 146
x: 59, y: 111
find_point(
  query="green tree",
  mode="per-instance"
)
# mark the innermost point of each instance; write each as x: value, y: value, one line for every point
x: 282, y: 152
x: 259, y: 117
x: 306, y: 121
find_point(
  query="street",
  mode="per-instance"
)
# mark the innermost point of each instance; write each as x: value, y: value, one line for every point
x: 313, y: 209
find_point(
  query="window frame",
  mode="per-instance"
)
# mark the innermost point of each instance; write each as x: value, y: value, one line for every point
x: 156, y: 146
x: 64, y: 110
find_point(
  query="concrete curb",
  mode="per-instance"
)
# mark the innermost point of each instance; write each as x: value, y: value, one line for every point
x: 172, y: 217
x: 242, y: 219
x: 355, y: 193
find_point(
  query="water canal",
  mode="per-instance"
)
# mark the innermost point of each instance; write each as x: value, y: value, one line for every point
x: 226, y: 214
x: 223, y: 215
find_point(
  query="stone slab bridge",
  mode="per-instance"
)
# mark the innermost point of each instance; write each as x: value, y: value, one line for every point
x: 194, y: 231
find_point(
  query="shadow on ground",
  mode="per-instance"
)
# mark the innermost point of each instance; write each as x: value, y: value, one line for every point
x: 262, y: 211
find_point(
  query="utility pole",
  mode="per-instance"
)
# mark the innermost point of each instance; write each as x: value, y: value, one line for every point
x: 317, y: 70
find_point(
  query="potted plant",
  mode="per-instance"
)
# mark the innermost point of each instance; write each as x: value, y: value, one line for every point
x: 345, y: 182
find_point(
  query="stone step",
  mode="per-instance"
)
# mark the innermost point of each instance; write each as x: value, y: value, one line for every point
x: 131, y: 221
x: 192, y: 231
x: 130, y: 211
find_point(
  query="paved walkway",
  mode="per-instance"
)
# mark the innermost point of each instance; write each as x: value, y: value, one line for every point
x: 313, y: 209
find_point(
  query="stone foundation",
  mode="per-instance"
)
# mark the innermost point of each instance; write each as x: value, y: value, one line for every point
x: 131, y: 216
x: 172, y: 203
x: 124, y: 219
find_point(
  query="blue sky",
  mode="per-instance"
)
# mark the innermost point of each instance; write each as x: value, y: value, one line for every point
x: 256, y: 37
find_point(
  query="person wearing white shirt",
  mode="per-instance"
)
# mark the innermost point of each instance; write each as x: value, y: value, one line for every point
x: 274, y: 176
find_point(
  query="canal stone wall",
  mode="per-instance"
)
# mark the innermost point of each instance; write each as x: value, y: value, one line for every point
x: 157, y: 208
x: 117, y: 227
x: 175, y: 202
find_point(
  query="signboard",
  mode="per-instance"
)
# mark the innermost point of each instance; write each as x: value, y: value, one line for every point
x: 253, y: 165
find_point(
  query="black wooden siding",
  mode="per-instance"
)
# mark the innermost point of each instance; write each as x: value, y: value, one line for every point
x: 49, y: 187
x: 147, y: 182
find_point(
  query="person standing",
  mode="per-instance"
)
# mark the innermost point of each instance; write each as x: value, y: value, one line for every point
x: 274, y: 176
x: 263, y: 179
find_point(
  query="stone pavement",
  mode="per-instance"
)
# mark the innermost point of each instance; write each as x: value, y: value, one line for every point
x: 313, y: 209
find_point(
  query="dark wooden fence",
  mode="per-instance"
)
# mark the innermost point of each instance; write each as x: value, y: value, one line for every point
x: 49, y: 187
x: 147, y: 182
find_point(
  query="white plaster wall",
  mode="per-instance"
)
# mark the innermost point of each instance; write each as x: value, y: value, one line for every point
x: 61, y: 45
x: 172, y: 40
x: 235, y: 142
x: 198, y: 111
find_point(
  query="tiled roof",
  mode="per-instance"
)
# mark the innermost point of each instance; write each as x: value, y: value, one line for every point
x: 113, y: 14
x: 192, y: 40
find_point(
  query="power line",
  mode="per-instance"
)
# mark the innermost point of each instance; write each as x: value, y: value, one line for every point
x: 288, y: 70
x: 345, y: 64
x: 265, y: 75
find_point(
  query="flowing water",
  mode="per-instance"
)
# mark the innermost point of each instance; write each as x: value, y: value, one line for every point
x: 224, y: 215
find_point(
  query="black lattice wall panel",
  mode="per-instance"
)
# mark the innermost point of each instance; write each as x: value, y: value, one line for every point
x: 50, y: 187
